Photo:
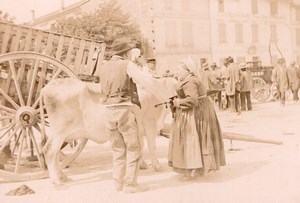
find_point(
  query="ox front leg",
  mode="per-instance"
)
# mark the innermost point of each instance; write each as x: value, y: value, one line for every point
x: 51, y: 150
x: 151, y: 142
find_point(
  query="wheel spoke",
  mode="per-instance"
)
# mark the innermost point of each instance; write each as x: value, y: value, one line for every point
x: 23, y: 134
x: 17, y: 141
x: 56, y: 74
x: 4, y: 108
x: 36, y: 102
x: 6, y: 117
x: 8, y: 139
x: 9, y: 126
x: 14, y: 75
x: 39, y: 155
x: 12, y: 102
x: 34, y: 75
x: 43, y: 123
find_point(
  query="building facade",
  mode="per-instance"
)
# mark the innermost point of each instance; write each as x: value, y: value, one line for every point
x: 251, y: 30
x: 209, y: 30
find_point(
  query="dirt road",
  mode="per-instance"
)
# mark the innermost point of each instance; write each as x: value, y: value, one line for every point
x: 254, y: 172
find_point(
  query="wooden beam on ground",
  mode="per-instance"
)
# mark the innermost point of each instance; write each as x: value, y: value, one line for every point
x: 239, y: 137
x: 248, y: 138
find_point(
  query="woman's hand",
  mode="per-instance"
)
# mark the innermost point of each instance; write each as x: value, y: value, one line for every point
x: 176, y: 103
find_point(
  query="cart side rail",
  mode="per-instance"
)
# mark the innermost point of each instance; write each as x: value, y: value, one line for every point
x: 78, y: 54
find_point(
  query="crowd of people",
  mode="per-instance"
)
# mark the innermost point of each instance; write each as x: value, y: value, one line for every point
x: 232, y: 84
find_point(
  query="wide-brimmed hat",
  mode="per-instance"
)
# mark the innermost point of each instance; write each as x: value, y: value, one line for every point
x: 213, y: 65
x: 121, y: 45
x: 229, y: 59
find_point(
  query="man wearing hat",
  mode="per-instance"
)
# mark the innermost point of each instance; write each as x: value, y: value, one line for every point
x: 246, y: 86
x: 281, y: 79
x: 233, y: 78
x: 216, y: 82
x: 120, y: 97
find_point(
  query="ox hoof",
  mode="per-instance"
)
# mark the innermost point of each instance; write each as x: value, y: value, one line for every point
x: 65, y: 179
x: 61, y: 181
x: 158, y: 168
x: 143, y: 165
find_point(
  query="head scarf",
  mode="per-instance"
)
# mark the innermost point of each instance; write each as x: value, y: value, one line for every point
x: 190, y: 65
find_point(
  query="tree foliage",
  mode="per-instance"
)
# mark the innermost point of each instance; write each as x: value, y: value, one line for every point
x: 107, y: 23
x: 4, y: 16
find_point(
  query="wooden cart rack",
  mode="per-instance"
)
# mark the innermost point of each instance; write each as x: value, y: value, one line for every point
x: 29, y: 59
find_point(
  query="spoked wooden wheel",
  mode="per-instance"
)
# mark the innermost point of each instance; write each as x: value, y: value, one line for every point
x: 275, y: 93
x: 260, y: 91
x: 22, y: 122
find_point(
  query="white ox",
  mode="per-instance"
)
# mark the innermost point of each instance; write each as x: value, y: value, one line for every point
x: 75, y: 112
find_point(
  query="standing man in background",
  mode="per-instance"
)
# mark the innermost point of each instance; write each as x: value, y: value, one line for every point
x: 233, y: 78
x: 294, y: 76
x: 246, y: 86
x: 281, y: 79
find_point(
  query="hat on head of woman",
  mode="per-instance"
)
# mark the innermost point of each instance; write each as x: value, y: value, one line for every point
x: 190, y: 65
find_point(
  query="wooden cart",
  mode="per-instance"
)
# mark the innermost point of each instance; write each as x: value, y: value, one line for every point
x: 29, y: 59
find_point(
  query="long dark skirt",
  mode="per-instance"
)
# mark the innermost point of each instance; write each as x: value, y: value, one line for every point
x: 196, y: 144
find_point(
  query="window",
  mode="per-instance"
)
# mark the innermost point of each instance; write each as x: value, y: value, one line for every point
x: 171, y: 34
x: 298, y: 36
x: 168, y: 4
x: 187, y: 34
x: 297, y: 13
x: 239, y: 33
x: 255, y: 58
x: 254, y: 6
x: 221, y: 6
x: 222, y: 33
x: 273, y: 8
x: 255, y: 35
x: 273, y: 33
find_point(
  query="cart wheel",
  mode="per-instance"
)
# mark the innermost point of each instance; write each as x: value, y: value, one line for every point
x: 275, y: 94
x: 260, y: 90
x: 22, y: 122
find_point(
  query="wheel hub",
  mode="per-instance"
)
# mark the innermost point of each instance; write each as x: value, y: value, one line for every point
x: 26, y: 116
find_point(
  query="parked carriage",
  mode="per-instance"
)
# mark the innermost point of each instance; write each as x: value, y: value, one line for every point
x: 29, y: 59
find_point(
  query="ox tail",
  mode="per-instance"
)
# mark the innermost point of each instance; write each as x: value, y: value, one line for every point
x: 43, y: 125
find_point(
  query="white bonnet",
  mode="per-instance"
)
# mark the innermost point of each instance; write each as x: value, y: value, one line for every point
x: 190, y: 65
